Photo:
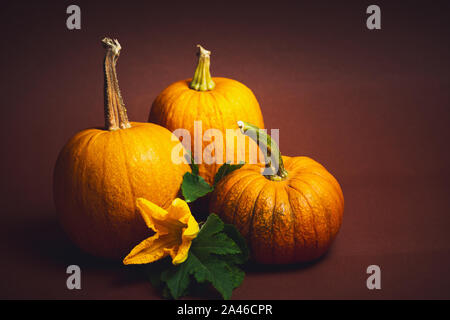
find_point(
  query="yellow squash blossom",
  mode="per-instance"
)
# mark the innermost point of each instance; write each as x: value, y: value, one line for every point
x: 175, y: 229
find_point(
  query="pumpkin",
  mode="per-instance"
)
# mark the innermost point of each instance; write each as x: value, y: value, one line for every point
x: 289, y: 214
x: 218, y: 103
x: 101, y: 171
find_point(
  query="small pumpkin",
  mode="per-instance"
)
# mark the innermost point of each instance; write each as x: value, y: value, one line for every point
x: 218, y: 103
x: 100, y: 172
x: 290, y: 214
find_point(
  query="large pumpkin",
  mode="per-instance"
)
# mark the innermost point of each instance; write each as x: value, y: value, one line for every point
x: 289, y: 215
x: 100, y: 172
x: 218, y: 103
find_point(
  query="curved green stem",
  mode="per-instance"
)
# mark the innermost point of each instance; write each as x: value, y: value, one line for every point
x: 115, y: 112
x: 202, y: 80
x: 274, y: 162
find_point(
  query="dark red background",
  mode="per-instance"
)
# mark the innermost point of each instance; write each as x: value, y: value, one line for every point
x: 372, y: 106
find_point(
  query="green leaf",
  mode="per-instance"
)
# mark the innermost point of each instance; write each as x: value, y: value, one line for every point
x: 225, y: 169
x: 218, y: 244
x: 216, y: 271
x: 213, y: 258
x: 221, y: 277
x: 177, y: 278
x: 194, y: 187
x: 233, y: 233
x: 212, y: 226
x: 210, y: 239
x: 237, y: 275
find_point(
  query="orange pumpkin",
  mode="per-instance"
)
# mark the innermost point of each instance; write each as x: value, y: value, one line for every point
x: 291, y: 214
x: 218, y: 103
x: 100, y: 172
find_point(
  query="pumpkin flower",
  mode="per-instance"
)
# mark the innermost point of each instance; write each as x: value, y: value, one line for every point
x: 175, y: 229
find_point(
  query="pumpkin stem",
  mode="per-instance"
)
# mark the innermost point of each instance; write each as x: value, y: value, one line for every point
x: 115, y: 112
x: 202, y: 80
x: 274, y: 162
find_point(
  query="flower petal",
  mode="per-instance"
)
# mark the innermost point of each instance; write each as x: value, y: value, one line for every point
x: 151, y: 212
x: 151, y: 249
x: 179, y: 210
x: 182, y: 254
x: 188, y: 235
x: 175, y: 229
x: 192, y: 229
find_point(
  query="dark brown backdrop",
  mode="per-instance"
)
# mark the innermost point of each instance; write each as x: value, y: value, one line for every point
x: 372, y: 106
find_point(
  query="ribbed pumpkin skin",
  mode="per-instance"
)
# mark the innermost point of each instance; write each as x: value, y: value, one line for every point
x: 98, y: 176
x: 289, y: 221
x: 178, y: 106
